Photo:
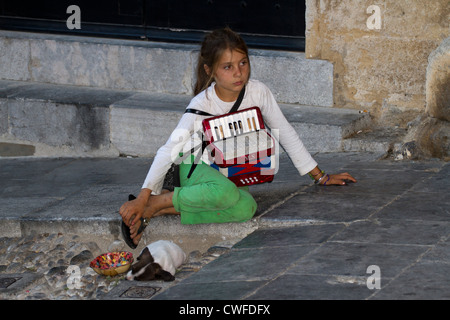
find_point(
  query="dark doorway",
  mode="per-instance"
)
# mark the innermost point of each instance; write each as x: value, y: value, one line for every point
x: 263, y: 23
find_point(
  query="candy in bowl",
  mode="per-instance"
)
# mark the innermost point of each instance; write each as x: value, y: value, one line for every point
x: 112, y: 263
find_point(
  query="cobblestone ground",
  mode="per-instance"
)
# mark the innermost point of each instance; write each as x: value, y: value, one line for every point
x: 61, y: 264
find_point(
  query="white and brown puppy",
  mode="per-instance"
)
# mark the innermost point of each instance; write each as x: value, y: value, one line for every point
x: 157, y: 261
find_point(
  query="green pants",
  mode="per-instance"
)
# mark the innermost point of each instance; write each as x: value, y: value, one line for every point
x: 209, y: 197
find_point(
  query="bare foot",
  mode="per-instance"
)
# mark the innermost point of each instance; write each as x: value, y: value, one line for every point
x: 133, y: 232
x: 157, y: 205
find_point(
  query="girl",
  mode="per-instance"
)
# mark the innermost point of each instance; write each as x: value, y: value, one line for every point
x: 208, y: 196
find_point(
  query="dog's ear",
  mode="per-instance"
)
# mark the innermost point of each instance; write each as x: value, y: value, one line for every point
x: 164, y: 275
x: 144, y: 258
x: 161, y: 274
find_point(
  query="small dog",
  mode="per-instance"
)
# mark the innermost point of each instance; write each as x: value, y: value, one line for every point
x: 157, y: 261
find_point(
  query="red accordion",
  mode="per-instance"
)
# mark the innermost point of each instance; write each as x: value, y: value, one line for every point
x: 241, y: 147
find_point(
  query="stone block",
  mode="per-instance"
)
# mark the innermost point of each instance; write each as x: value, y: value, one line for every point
x: 137, y: 132
x: 81, y: 128
x: 129, y: 65
x: 294, y: 79
x: 398, y: 73
x: 3, y: 117
x: 432, y: 136
x: 151, y: 66
x: 323, y: 129
x: 10, y: 228
x: 428, y: 133
x: 438, y: 82
x: 143, y: 123
x: 14, y: 58
x: 376, y: 66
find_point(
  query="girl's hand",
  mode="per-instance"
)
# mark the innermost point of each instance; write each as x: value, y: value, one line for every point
x: 132, y: 211
x: 340, y: 179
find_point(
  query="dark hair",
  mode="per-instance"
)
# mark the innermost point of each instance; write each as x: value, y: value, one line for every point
x: 213, y: 46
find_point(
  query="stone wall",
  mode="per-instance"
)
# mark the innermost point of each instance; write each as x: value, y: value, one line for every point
x: 380, y: 51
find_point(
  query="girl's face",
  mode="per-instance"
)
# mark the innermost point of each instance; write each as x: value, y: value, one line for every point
x: 231, y: 74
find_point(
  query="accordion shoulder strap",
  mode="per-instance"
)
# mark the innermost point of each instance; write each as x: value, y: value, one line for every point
x: 199, y: 112
x: 238, y: 101
x: 234, y: 108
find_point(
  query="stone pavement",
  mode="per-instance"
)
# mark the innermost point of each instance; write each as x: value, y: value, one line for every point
x: 385, y: 237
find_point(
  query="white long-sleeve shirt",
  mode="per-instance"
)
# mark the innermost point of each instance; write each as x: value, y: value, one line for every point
x: 185, y: 136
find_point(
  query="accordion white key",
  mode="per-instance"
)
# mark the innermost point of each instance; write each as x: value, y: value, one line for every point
x: 241, y: 147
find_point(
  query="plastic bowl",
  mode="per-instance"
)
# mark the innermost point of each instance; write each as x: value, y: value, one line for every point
x: 112, y: 263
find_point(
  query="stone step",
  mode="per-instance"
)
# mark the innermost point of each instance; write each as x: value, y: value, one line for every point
x: 376, y: 139
x: 151, y: 66
x: 65, y: 120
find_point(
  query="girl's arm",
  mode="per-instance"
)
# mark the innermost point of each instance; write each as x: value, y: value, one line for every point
x: 294, y: 146
x: 166, y: 155
x: 132, y: 211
